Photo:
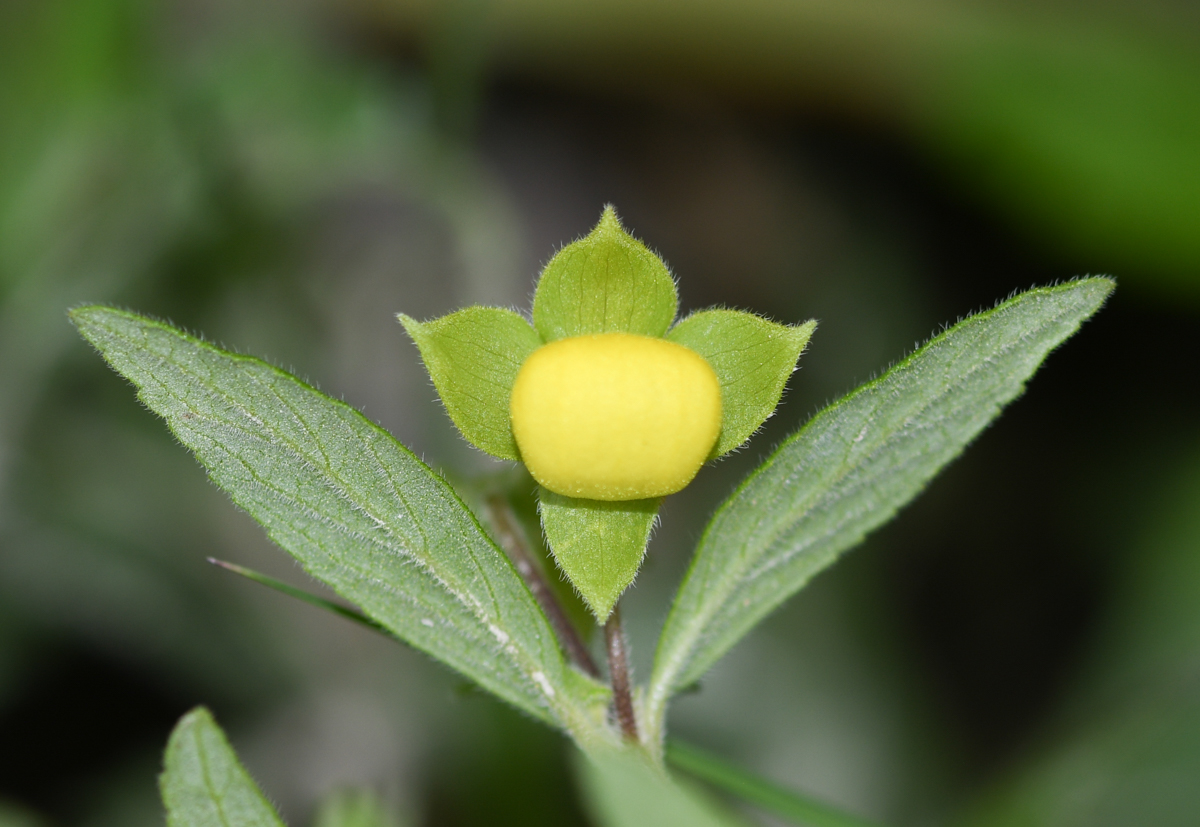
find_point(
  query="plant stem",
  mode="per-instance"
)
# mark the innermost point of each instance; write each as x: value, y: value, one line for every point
x: 758, y: 791
x: 512, y: 540
x: 618, y: 673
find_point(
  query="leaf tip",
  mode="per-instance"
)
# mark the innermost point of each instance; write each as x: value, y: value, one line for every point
x: 1104, y: 285
x: 609, y: 220
x: 411, y: 326
x: 83, y: 314
x: 197, y: 715
x: 801, y: 334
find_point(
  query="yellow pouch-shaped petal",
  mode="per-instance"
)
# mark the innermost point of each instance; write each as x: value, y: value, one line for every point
x: 615, y: 416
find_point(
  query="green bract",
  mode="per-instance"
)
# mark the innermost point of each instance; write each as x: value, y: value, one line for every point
x: 607, y: 282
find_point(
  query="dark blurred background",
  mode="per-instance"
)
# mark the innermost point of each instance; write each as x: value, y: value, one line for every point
x: 1021, y: 647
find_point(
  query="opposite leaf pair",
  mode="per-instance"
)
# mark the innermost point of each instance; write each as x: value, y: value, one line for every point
x: 610, y: 407
x: 366, y: 517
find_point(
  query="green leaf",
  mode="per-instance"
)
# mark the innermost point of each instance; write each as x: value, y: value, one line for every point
x: 753, y: 358
x: 607, y: 282
x: 850, y: 469
x: 623, y: 789
x: 354, y: 808
x: 204, y: 785
x: 356, y: 508
x: 473, y: 357
x: 353, y: 615
x: 768, y: 796
x: 13, y: 816
x: 598, y: 544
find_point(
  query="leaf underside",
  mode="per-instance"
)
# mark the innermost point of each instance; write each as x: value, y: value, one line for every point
x: 851, y: 468
x: 473, y: 357
x: 752, y: 357
x: 358, y: 510
x: 204, y: 785
x: 598, y: 544
x: 607, y: 282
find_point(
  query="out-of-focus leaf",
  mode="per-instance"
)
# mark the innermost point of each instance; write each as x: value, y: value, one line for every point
x: 354, y: 808
x: 621, y: 789
x: 204, y: 785
x: 753, y: 358
x: 769, y: 796
x: 1135, y: 767
x: 1079, y: 122
x: 13, y: 816
x: 1129, y: 749
x: 473, y: 356
x: 356, y: 508
x: 850, y: 469
x: 598, y: 544
x: 607, y: 282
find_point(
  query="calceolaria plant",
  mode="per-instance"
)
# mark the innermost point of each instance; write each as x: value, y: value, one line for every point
x: 608, y: 402
x: 612, y: 405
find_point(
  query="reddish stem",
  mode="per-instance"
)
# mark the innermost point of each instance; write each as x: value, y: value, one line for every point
x: 516, y: 546
x: 618, y: 672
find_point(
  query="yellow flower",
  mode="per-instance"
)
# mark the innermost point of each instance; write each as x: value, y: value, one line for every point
x: 615, y: 416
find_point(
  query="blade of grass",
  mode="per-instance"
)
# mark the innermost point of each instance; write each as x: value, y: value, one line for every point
x: 758, y: 791
x: 321, y: 603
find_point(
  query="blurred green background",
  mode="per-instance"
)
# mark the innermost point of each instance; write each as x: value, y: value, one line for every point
x: 1021, y: 647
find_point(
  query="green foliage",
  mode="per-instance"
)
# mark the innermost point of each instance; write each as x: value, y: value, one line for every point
x: 11, y: 816
x: 622, y: 789
x: 354, y: 808
x: 473, y: 357
x: 607, y: 282
x: 598, y: 544
x: 753, y: 358
x: 356, y: 508
x: 850, y: 469
x: 1134, y: 720
x: 204, y: 785
x: 764, y: 794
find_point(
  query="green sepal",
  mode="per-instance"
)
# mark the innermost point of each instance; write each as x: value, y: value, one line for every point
x: 473, y: 356
x: 752, y: 357
x: 607, y: 282
x: 204, y: 785
x: 599, y: 545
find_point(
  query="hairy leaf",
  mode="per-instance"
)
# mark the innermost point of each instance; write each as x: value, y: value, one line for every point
x: 850, y: 468
x: 599, y: 544
x: 473, y: 357
x: 607, y: 282
x: 621, y: 789
x: 204, y: 785
x: 355, y: 507
x: 753, y: 358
